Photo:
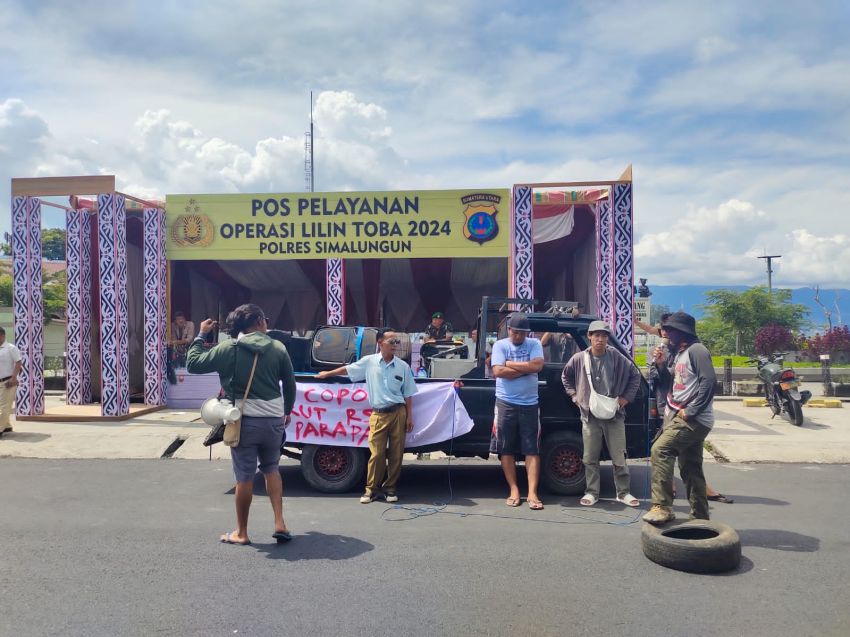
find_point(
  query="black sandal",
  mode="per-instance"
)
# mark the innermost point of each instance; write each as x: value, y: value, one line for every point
x: 721, y: 498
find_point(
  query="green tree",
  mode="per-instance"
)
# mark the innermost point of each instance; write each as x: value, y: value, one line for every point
x: 52, y: 245
x: 736, y: 317
x: 716, y: 336
x: 54, y: 288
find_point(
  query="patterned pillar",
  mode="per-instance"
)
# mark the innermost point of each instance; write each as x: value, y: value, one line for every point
x: 604, y: 261
x: 335, y: 287
x: 28, y: 300
x: 154, y: 303
x: 112, y: 237
x: 79, y: 310
x: 624, y: 278
x: 521, y: 284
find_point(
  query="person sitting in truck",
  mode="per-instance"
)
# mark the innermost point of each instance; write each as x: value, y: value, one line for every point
x: 559, y: 348
x: 390, y: 386
x: 516, y: 362
x: 438, y: 329
x: 602, y: 370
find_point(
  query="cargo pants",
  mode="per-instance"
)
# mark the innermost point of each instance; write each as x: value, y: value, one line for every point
x: 683, y: 440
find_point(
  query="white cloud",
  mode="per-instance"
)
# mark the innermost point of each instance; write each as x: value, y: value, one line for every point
x: 817, y: 260
x: 704, y: 246
x: 710, y: 48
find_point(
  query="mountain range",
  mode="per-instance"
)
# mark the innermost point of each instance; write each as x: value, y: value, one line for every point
x: 690, y: 298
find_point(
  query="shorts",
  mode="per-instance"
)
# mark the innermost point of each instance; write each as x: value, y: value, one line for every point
x: 260, y: 440
x: 516, y: 430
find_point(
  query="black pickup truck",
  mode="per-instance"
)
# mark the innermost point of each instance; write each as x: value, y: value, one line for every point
x: 561, y: 329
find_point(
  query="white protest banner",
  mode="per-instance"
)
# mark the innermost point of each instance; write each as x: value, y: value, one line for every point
x: 338, y: 414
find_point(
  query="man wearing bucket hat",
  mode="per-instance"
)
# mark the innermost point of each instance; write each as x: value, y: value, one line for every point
x: 516, y: 361
x: 688, y: 375
x: 601, y: 381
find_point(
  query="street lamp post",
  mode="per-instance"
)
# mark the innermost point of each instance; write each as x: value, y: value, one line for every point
x: 770, y: 258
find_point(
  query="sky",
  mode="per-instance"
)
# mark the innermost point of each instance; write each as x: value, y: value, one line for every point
x: 734, y: 115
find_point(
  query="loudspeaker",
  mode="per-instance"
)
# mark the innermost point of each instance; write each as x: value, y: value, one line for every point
x: 215, y: 411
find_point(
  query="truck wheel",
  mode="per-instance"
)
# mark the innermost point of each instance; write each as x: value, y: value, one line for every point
x: 698, y: 546
x: 561, y: 465
x: 333, y: 469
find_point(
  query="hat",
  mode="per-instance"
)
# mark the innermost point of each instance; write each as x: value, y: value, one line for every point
x: 682, y: 322
x: 599, y: 326
x: 519, y: 322
x: 437, y: 315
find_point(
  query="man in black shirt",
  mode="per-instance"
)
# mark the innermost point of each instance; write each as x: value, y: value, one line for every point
x: 438, y: 329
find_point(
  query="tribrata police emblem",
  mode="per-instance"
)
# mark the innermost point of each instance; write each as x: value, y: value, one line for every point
x: 481, y: 225
x: 192, y: 228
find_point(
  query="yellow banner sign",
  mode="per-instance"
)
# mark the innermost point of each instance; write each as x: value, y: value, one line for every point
x: 351, y: 225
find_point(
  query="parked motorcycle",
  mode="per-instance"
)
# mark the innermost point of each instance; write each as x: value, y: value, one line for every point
x: 781, y: 388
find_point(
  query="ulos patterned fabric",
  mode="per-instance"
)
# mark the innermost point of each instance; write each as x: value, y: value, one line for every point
x: 155, y: 308
x: 112, y: 236
x: 79, y: 310
x: 27, y: 301
x: 624, y: 280
x: 522, y: 245
x: 335, y: 285
x: 604, y: 261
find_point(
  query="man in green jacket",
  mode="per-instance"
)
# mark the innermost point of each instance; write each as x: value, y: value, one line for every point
x: 265, y: 412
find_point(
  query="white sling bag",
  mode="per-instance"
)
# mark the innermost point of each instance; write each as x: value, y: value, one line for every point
x: 602, y: 407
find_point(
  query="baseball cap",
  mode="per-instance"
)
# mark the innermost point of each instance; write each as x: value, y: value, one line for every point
x: 598, y: 326
x: 437, y: 315
x: 519, y: 321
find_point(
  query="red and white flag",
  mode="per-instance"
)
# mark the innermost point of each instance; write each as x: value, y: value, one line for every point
x: 552, y: 222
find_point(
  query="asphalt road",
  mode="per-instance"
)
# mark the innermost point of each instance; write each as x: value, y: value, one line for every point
x: 129, y: 547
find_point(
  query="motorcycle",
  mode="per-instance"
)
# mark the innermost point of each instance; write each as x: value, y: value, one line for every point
x: 781, y: 388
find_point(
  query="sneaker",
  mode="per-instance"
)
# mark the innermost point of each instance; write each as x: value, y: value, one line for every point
x: 391, y: 497
x: 659, y: 515
x: 366, y: 498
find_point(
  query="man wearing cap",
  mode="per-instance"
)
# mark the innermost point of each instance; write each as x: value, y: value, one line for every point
x: 688, y: 375
x: 516, y: 361
x: 604, y: 371
x: 438, y: 329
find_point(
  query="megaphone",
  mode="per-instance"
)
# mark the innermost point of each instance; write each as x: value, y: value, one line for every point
x: 215, y: 411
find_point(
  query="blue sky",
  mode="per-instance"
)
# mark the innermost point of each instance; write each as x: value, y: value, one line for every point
x: 735, y: 116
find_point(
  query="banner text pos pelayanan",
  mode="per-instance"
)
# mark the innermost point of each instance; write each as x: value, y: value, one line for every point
x: 358, y: 225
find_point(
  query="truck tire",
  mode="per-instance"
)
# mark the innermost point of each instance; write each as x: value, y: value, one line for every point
x: 332, y: 469
x: 562, y: 468
x: 698, y: 546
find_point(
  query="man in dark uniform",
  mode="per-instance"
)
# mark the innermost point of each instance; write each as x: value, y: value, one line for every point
x: 438, y: 329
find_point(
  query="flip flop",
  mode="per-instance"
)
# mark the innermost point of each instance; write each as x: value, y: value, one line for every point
x: 228, y: 539
x: 629, y: 500
x: 282, y: 536
x: 513, y: 502
x: 721, y: 498
x: 535, y: 505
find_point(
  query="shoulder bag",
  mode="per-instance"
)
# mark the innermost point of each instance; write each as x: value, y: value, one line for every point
x: 602, y: 407
x: 232, y: 429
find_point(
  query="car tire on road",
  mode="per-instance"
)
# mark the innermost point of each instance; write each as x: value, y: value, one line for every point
x: 561, y: 463
x: 332, y: 469
x: 697, y: 546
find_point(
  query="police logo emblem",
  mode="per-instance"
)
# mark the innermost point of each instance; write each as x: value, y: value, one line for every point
x: 480, y: 212
x: 193, y: 228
